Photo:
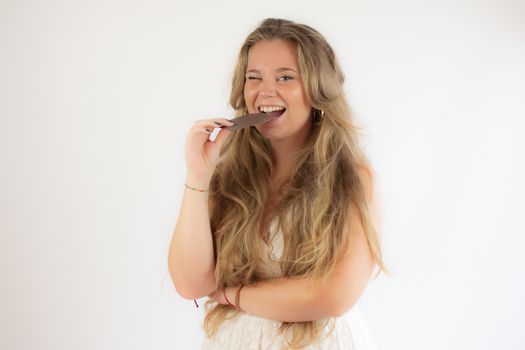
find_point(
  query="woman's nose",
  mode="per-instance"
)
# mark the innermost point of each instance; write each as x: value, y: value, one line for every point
x: 267, y: 93
x: 267, y: 89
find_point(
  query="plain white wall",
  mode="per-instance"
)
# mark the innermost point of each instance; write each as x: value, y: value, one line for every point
x: 96, y: 98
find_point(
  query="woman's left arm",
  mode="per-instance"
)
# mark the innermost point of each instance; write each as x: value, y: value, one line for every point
x: 284, y: 299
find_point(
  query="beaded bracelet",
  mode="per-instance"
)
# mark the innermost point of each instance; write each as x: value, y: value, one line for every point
x: 226, y: 298
x: 238, y: 297
x: 195, y: 189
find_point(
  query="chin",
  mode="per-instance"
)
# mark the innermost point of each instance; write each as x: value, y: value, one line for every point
x: 273, y: 135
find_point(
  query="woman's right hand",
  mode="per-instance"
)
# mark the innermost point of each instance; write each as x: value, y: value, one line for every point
x: 202, y: 154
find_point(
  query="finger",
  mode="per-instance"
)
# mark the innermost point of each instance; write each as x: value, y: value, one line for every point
x: 205, y: 128
x: 222, y: 122
x: 215, y: 122
x: 222, y: 136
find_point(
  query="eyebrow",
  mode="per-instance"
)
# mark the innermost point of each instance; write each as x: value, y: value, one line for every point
x: 277, y: 70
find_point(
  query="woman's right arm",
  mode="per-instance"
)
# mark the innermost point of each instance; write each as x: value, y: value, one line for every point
x: 190, y: 258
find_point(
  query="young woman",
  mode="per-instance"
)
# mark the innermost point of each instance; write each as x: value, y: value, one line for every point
x: 279, y: 223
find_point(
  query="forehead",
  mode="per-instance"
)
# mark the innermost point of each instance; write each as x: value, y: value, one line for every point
x: 269, y: 54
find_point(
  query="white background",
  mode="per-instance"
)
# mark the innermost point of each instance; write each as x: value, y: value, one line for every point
x: 96, y: 98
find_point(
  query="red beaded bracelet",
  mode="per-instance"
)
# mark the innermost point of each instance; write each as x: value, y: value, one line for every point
x: 225, y: 297
x: 238, y: 297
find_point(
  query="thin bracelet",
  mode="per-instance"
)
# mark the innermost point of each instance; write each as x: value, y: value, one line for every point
x: 238, y: 297
x: 225, y: 297
x: 195, y: 189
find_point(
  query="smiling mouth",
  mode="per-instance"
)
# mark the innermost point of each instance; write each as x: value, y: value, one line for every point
x: 277, y: 113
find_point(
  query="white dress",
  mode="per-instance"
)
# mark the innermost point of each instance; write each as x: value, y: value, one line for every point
x: 250, y: 332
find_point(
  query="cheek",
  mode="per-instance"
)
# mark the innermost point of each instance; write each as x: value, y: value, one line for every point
x: 249, y: 94
x: 296, y: 93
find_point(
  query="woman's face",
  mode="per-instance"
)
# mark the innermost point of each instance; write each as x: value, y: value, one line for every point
x: 272, y: 79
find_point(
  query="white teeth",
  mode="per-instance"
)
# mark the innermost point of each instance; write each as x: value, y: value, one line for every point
x: 268, y: 109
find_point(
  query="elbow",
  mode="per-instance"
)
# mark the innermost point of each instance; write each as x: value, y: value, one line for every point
x: 182, y: 289
x: 329, y: 304
x: 189, y: 291
x: 191, y: 288
x: 339, y: 302
x: 340, y: 308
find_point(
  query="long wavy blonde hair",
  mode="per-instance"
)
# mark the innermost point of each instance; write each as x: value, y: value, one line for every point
x: 314, y: 200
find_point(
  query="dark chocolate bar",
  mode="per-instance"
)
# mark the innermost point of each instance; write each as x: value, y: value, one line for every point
x: 251, y: 120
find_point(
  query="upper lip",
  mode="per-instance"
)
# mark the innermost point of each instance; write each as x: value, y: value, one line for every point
x: 268, y: 105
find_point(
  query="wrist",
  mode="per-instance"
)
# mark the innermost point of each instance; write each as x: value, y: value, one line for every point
x: 228, y: 296
x: 238, y: 297
x: 195, y: 188
x: 197, y: 181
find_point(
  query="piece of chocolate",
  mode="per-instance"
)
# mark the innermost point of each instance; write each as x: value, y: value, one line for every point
x: 251, y: 120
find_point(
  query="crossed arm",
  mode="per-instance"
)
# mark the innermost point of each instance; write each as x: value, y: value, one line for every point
x: 284, y: 299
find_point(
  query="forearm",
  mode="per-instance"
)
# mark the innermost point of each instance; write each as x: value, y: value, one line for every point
x: 285, y: 299
x: 190, y: 259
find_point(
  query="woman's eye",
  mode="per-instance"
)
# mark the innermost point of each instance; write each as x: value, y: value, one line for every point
x: 284, y: 77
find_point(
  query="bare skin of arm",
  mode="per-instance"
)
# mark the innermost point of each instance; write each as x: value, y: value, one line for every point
x: 284, y: 299
x: 191, y: 261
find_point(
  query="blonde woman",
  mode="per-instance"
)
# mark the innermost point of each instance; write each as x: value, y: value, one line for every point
x: 279, y: 223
